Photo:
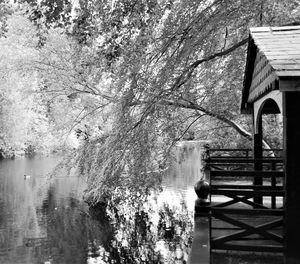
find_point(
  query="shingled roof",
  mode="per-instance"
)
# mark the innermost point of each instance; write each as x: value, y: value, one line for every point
x: 273, y: 54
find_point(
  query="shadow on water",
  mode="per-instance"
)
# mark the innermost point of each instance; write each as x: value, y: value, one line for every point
x: 46, y: 221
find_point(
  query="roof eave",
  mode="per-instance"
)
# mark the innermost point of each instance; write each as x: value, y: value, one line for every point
x: 251, y: 55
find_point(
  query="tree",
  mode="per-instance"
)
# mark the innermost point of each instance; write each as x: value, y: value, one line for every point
x: 169, y: 66
x: 147, y: 72
x: 26, y: 124
x: 186, y: 64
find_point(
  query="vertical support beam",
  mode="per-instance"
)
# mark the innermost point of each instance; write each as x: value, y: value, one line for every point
x: 273, y: 184
x: 258, y: 154
x: 291, y: 141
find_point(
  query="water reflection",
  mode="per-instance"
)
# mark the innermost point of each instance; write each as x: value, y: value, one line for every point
x: 145, y: 232
x: 45, y: 221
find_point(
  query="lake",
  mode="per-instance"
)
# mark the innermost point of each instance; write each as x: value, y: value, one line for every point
x: 44, y: 220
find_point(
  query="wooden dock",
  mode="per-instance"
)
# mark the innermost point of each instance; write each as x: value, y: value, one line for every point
x: 242, y: 216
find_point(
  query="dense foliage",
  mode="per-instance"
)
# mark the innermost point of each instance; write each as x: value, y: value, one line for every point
x: 125, y: 80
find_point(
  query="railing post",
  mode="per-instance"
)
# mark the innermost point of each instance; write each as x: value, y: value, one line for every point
x: 258, y: 155
x: 200, y: 252
x: 201, y: 241
x: 273, y: 184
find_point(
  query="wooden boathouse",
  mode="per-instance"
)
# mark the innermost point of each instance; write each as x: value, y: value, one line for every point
x: 262, y: 212
x: 272, y: 85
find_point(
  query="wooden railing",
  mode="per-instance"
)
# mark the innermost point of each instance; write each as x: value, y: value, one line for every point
x: 244, y: 163
x: 228, y: 152
x: 235, y: 190
x: 256, y: 230
x: 247, y: 224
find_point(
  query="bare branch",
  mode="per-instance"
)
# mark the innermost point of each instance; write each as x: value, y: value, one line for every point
x: 182, y: 79
x: 191, y: 105
x: 193, y: 122
x: 78, y: 121
x: 232, y: 124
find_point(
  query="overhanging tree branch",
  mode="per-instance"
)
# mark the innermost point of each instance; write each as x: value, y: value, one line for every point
x: 186, y: 74
x: 194, y: 121
x: 182, y: 78
x: 190, y: 105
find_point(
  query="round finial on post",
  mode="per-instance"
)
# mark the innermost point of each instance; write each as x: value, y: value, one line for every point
x: 202, y: 190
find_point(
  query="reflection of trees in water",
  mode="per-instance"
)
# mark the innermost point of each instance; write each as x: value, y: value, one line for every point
x: 187, y: 149
x: 17, y: 217
x: 144, y: 235
x: 67, y: 230
x: 126, y: 229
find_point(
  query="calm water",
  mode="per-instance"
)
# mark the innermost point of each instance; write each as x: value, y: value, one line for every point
x: 46, y: 221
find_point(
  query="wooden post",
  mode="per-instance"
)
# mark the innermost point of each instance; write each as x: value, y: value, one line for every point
x: 200, y: 251
x: 291, y: 141
x: 273, y: 184
x: 258, y: 154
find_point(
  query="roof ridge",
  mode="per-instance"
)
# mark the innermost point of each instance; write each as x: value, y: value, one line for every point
x: 270, y: 29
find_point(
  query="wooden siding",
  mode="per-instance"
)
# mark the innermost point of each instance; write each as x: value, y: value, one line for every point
x: 263, y: 77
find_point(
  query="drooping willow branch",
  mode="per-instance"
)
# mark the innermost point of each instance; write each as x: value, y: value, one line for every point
x: 183, y: 78
x: 190, y: 105
x: 188, y: 127
x: 194, y: 106
x: 187, y: 73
